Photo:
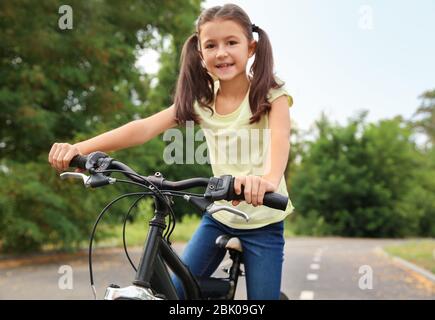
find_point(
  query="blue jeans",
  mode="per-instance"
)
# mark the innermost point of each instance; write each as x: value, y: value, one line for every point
x: 263, y: 255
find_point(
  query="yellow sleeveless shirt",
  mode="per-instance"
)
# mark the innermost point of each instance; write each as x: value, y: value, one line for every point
x: 238, y: 148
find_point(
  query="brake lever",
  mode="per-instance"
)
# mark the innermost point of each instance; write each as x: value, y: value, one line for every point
x: 210, y: 207
x: 94, y: 181
x: 76, y: 175
x: 215, y: 208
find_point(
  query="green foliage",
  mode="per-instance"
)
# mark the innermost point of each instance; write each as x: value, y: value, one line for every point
x: 57, y: 83
x: 423, y: 193
x: 425, y: 116
x: 69, y: 85
x: 31, y: 212
x: 364, y: 180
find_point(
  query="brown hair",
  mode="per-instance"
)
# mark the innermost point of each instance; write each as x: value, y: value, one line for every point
x: 195, y: 84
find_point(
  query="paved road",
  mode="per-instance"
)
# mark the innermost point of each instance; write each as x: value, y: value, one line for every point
x: 314, y: 268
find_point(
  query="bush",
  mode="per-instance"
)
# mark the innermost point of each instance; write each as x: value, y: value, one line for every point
x: 362, y: 180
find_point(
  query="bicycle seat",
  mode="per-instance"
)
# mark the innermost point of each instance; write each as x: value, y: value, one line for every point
x: 228, y: 242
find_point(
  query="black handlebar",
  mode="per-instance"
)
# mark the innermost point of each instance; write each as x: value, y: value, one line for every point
x: 78, y: 161
x: 271, y: 199
x: 221, y: 188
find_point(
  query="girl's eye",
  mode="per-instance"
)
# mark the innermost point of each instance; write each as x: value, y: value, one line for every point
x: 209, y: 46
x: 232, y: 42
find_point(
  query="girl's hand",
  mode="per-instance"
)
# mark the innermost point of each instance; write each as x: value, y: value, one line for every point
x: 61, y: 154
x: 254, y: 188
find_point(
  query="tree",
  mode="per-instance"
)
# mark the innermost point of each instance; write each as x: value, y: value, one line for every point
x: 56, y: 83
x: 69, y: 85
x: 358, y: 180
x: 426, y: 112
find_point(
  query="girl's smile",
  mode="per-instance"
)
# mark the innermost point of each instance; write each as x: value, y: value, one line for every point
x: 225, y: 67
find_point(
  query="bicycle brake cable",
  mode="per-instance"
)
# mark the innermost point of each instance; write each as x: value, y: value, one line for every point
x: 165, y: 200
x: 153, y: 191
x: 95, y: 228
x: 123, y: 230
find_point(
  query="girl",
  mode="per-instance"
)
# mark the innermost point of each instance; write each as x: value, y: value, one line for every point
x: 215, y: 91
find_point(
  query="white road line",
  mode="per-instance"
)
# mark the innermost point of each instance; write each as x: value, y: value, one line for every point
x: 314, y: 266
x: 307, y: 295
x: 312, y: 276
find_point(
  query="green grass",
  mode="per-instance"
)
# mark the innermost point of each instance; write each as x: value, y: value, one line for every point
x: 136, y: 232
x: 419, y: 252
x: 289, y: 228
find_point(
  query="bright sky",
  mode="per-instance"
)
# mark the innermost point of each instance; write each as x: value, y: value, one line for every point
x: 343, y: 56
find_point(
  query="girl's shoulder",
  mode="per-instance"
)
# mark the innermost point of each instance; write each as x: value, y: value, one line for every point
x: 275, y: 93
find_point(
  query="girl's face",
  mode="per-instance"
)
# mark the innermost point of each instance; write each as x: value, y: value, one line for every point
x: 225, y: 48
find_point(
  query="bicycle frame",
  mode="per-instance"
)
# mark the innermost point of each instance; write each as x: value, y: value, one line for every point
x: 152, y: 272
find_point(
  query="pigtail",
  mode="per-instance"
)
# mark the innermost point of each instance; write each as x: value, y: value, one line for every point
x: 194, y: 83
x: 262, y: 78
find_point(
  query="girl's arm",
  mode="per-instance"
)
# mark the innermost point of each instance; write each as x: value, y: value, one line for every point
x: 132, y: 134
x: 279, y: 124
x: 254, y: 186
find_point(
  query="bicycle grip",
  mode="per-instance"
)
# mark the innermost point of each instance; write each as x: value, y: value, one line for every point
x: 78, y: 161
x: 271, y: 199
x: 275, y: 200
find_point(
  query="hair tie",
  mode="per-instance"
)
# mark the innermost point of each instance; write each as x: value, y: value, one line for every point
x: 255, y: 28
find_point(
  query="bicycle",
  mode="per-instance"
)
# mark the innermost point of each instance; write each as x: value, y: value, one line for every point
x: 152, y: 280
